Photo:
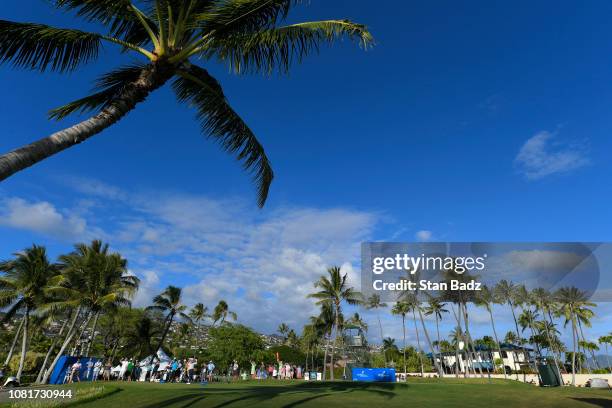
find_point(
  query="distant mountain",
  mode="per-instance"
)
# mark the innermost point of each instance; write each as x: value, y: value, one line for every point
x: 601, y: 360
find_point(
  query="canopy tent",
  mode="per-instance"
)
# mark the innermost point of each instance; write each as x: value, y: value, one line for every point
x: 162, y: 357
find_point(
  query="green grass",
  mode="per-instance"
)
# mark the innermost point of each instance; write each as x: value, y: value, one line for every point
x: 472, y: 393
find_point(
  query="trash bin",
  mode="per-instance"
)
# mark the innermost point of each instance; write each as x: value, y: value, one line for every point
x: 549, y: 375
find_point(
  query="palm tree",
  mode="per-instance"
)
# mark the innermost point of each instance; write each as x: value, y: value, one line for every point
x: 334, y: 290
x: 222, y: 312
x: 605, y: 341
x: 389, y: 345
x: 324, y: 325
x: 506, y: 292
x: 139, y: 338
x: 570, y: 300
x: 283, y: 329
x: 486, y: 299
x: 22, y: 286
x: 92, y: 281
x: 198, y: 313
x: 402, y: 309
x: 413, y: 303
x: 242, y: 34
x: 436, y: 308
x: 170, y: 302
x: 374, y: 303
x: 542, y: 299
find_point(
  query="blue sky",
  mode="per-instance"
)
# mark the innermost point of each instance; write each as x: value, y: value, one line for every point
x: 468, y: 121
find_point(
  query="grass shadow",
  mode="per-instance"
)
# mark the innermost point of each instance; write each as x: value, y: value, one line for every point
x: 599, y: 402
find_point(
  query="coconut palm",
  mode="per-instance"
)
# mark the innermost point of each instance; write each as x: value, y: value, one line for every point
x: 222, y: 312
x: 605, y: 341
x: 389, y: 345
x: 334, y: 290
x: 169, y: 302
x: 486, y: 298
x: 436, y: 308
x: 543, y: 301
x: 507, y: 293
x: 22, y: 286
x: 570, y: 300
x: 92, y: 281
x: 168, y: 35
x: 198, y: 313
x: 402, y: 309
x: 283, y: 329
x: 415, y: 306
x: 374, y: 303
x: 324, y: 325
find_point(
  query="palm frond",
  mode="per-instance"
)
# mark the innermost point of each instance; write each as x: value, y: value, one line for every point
x: 39, y: 47
x: 109, y: 86
x: 117, y: 15
x: 279, y: 48
x: 198, y: 88
x: 240, y: 16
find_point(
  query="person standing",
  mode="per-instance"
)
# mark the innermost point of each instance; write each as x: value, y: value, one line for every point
x: 96, y: 370
x: 210, y: 368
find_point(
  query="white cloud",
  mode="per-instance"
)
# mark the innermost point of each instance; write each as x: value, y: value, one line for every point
x: 423, y: 235
x: 41, y: 217
x: 542, y: 156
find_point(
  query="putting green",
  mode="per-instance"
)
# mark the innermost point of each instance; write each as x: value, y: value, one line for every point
x: 416, y: 393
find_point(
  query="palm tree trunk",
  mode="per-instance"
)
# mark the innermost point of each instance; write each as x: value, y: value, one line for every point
x: 518, y: 336
x: 325, y: 355
x: 67, y: 340
x: 152, y: 77
x: 93, y: 334
x: 607, y: 357
x: 497, y: 341
x: 416, y: 329
x: 469, y: 338
x: 404, y: 331
x: 573, y: 350
x: 24, y: 343
x: 438, y: 334
x: 557, y: 352
x: 51, y: 348
x: 433, y: 352
x: 163, y: 337
x: 549, y: 339
x: 381, y: 335
x: 336, y: 325
x: 14, y: 343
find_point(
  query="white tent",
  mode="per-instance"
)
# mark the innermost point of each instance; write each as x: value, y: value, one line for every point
x: 164, y: 362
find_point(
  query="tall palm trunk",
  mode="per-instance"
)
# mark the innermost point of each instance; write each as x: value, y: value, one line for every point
x: 554, y: 354
x: 469, y: 338
x: 335, y: 345
x: 152, y: 77
x: 404, y: 331
x: 14, y: 343
x: 607, y: 356
x: 67, y: 340
x: 51, y: 348
x: 168, y: 323
x: 416, y: 330
x: 381, y: 335
x: 93, y: 334
x: 573, y: 349
x: 325, y: 355
x: 24, y: 343
x: 518, y: 336
x: 558, y: 351
x: 497, y: 341
x: 433, y: 352
x: 438, y: 335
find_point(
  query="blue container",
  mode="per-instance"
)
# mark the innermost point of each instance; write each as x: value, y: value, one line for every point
x: 373, y: 374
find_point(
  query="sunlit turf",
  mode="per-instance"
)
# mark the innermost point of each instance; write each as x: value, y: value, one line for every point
x: 416, y: 393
